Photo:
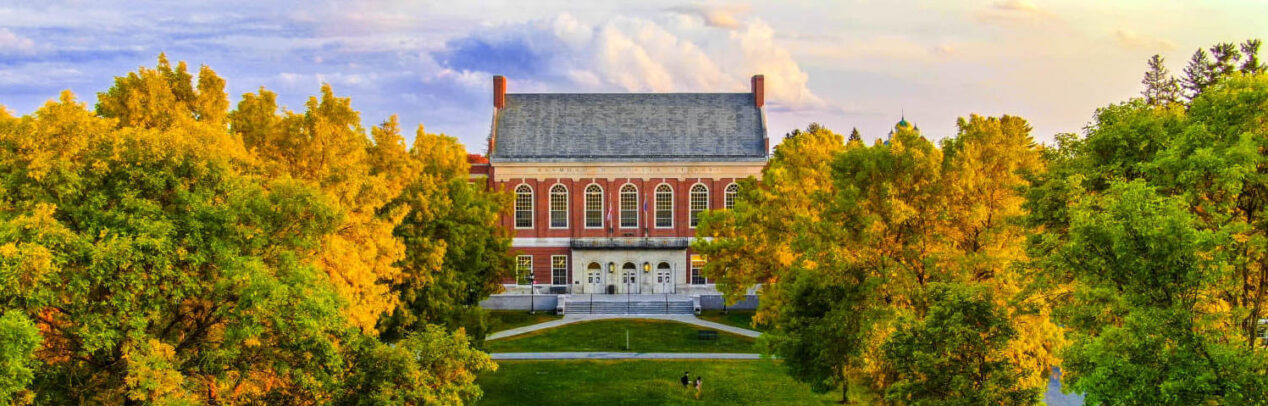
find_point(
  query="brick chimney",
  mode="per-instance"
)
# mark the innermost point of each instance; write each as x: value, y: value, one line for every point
x: 499, y: 91
x: 759, y: 90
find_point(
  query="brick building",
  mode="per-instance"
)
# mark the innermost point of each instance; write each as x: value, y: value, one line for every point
x: 609, y: 187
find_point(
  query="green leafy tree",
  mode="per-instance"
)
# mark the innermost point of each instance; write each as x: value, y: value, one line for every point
x: 1160, y: 87
x: 456, y: 253
x: 19, y: 338
x: 954, y: 356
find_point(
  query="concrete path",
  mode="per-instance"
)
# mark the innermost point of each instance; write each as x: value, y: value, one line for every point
x: 619, y: 355
x: 575, y: 318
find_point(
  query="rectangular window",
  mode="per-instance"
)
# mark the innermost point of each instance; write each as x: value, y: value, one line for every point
x: 523, y: 210
x: 558, y: 209
x: 664, y: 208
x: 629, y: 209
x: 594, y: 209
x: 559, y: 270
x: 524, y: 270
x: 697, y: 270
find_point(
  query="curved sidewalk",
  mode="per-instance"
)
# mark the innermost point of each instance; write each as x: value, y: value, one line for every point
x: 619, y: 355
x: 575, y: 318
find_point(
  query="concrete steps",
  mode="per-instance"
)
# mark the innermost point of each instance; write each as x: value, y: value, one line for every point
x: 683, y: 307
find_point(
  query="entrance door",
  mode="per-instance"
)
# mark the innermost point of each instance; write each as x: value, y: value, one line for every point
x: 629, y: 277
x: 664, y: 278
x: 594, y: 278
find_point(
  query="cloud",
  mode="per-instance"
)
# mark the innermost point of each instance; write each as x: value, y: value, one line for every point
x: 634, y: 55
x: 1131, y: 40
x: 724, y: 16
x: 1014, y: 12
x: 14, y: 43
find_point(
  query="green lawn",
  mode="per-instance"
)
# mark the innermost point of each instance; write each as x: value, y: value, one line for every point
x: 649, y: 382
x: 505, y: 320
x: 609, y: 335
x: 737, y: 318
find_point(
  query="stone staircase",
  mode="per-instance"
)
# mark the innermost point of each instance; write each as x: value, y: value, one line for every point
x: 640, y: 304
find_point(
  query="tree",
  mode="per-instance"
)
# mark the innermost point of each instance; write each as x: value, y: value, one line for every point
x: 165, y: 97
x: 456, y: 254
x: 1138, y: 325
x: 1198, y: 74
x: 855, y: 136
x: 1161, y: 245
x: 1251, y: 65
x: 159, y: 266
x: 18, y: 341
x: 1160, y: 87
x: 955, y: 355
x: 327, y: 148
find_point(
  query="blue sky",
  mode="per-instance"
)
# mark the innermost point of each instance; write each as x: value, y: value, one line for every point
x: 844, y: 64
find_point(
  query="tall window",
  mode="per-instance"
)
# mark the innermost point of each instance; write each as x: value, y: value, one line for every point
x: 558, y: 269
x: 524, y: 270
x: 664, y: 206
x: 523, y: 207
x: 699, y: 202
x: 697, y: 270
x: 629, y: 206
x: 728, y: 199
x: 594, y: 206
x: 558, y: 206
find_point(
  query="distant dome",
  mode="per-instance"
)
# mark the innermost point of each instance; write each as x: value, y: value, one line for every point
x: 902, y: 123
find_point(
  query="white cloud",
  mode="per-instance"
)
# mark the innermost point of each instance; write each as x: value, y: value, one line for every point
x: 721, y: 16
x: 641, y: 55
x: 1131, y: 40
x: 14, y: 43
x: 1014, y: 12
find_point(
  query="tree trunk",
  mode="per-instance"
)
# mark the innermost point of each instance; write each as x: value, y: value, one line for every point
x: 845, y: 392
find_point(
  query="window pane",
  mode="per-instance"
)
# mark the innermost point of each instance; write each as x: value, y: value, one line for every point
x: 729, y: 200
x: 699, y: 203
x: 664, y: 206
x: 629, y: 206
x: 524, y: 269
x: 594, y: 206
x: 523, y: 207
x: 559, y: 270
x: 697, y: 270
x: 559, y: 207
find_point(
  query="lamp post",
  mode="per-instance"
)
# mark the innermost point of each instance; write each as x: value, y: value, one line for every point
x: 532, y: 295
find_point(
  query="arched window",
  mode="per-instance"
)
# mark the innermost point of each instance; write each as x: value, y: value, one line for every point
x: 629, y: 206
x: 594, y: 206
x: 558, y: 206
x: 664, y: 206
x: 699, y: 202
x: 728, y: 199
x: 523, y: 206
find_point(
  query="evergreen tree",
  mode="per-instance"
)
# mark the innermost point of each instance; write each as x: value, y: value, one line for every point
x: 1197, y: 76
x: 1251, y: 65
x: 855, y: 136
x: 1226, y: 57
x: 1160, y: 87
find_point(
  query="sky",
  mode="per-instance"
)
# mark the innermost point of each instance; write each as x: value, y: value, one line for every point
x: 845, y: 64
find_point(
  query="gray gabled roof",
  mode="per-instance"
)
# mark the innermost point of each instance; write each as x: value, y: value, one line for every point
x: 625, y: 127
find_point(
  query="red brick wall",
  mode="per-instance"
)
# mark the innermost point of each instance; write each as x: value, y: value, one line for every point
x: 611, y: 193
x: 541, y: 263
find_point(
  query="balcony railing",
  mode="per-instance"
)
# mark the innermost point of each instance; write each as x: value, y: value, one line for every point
x: 620, y: 243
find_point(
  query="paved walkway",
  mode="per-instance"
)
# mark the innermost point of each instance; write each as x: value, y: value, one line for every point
x: 575, y: 318
x: 619, y: 355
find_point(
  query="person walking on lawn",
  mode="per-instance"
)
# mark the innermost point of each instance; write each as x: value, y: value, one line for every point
x: 699, y: 380
x: 685, y: 380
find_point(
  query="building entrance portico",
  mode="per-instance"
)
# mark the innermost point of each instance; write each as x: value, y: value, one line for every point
x: 600, y: 271
x: 629, y: 279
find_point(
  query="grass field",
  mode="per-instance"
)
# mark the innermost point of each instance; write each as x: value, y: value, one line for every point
x: 737, y: 318
x: 506, y: 320
x: 609, y: 335
x: 646, y: 382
